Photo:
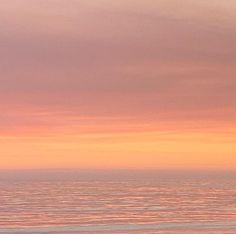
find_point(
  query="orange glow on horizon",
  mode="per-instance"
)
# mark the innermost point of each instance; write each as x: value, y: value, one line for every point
x: 138, y: 150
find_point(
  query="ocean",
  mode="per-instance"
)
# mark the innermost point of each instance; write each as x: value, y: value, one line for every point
x: 58, y: 203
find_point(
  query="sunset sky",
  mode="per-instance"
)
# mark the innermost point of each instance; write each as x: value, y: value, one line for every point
x: 118, y: 84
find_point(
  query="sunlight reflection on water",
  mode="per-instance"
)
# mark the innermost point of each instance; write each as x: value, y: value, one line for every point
x: 156, y: 206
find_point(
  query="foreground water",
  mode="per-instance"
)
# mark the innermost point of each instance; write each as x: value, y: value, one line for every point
x: 157, y: 205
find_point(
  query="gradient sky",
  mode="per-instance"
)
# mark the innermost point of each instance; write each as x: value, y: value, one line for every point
x: 117, y: 84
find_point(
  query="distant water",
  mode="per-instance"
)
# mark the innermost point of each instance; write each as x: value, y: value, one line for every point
x: 118, y: 206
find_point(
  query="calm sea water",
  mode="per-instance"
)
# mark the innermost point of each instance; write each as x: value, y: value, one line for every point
x: 156, y: 205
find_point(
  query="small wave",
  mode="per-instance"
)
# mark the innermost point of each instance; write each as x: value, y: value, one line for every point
x: 122, y: 227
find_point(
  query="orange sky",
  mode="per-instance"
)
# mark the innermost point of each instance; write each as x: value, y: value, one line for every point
x: 117, y: 84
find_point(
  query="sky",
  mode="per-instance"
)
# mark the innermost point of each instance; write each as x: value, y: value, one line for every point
x: 118, y: 84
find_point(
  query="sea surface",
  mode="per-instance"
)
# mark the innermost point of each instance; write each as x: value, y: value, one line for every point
x: 125, y: 205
